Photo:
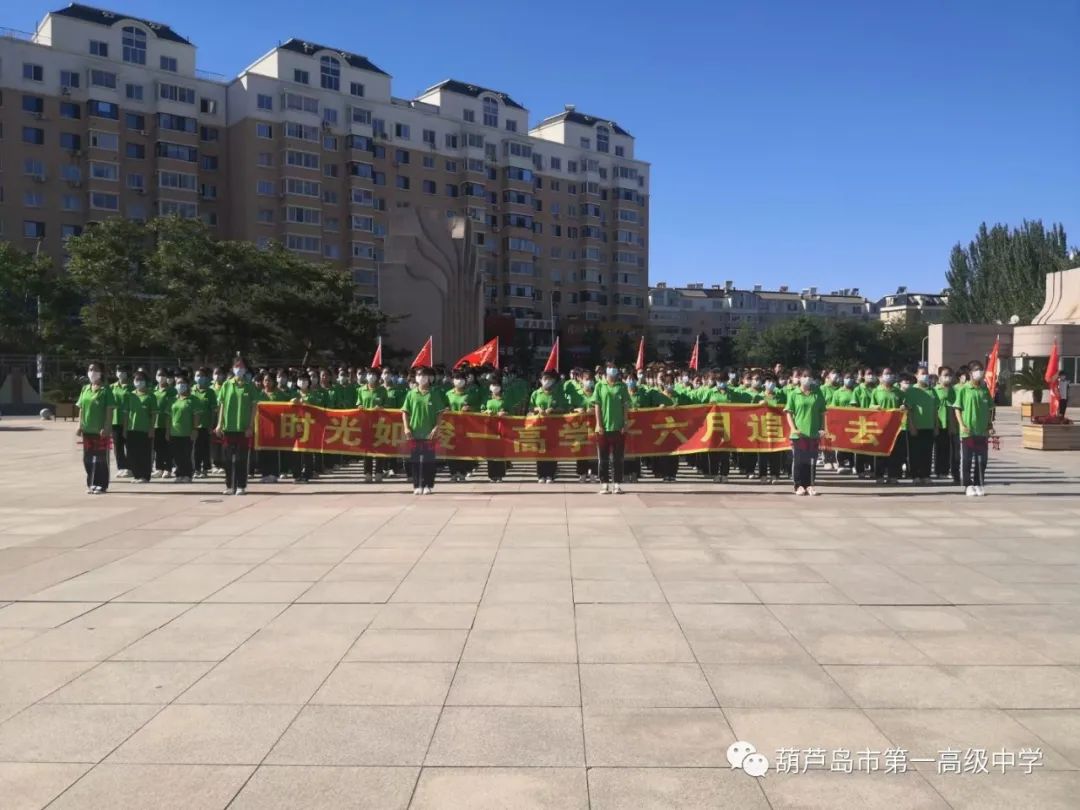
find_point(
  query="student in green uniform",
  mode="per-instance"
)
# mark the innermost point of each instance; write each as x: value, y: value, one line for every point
x: 583, y: 400
x: 461, y: 399
x: 844, y: 397
x: 887, y: 396
x: 184, y: 421
x: 96, y: 406
x: 947, y: 441
x: 419, y: 414
x: 270, y: 461
x: 974, y: 407
x: 922, y: 407
x: 546, y: 400
x: 217, y: 450
x: 235, y: 426
x: 140, y: 415
x: 805, y: 411
x: 495, y: 406
x: 829, y: 386
x: 164, y: 393
x: 370, y: 395
x: 611, y: 404
x: 302, y: 462
x: 666, y: 468
x: 640, y: 397
x: 205, y: 399
x: 120, y: 390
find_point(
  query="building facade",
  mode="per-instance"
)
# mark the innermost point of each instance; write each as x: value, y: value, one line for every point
x: 719, y: 311
x: 106, y: 115
x: 913, y: 307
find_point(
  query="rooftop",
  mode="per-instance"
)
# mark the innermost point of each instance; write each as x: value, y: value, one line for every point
x: 472, y: 90
x: 352, y: 59
x: 575, y: 117
x: 110, y: 18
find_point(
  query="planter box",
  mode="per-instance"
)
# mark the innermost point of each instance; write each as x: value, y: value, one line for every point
x: 65, y: 410
x: 1052, y: 437
x: 1030, y: 409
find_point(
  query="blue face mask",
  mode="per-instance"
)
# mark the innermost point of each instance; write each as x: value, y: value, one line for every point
x: 200, y: 381
x: 613, y: 372
x: 181, y: 388
x: 631, y: 383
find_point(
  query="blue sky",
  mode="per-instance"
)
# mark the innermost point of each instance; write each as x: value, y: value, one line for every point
x: 831, y: 144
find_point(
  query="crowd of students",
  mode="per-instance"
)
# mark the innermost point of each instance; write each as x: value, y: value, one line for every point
x: 189, y: 425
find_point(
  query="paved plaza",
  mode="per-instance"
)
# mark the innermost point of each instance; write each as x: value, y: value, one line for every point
x: 518, y: 646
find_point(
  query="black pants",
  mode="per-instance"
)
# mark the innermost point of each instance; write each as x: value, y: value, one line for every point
x: 769, y: 464
x: 236, y: 460
x: 303, y: 466
x: 666, y: 466
x: 139, y: 454
x: 458, y: 467
x: 162, y: 451
x: 120, y: 446
x: 845, y: 460
x: 973, y: 458
x: 947, y: 454
x: 889, y: 466
x: 717, y: 463
x: 1063, y: 404
x: 96, y: 463
x: 864, y: 463
x: 585, y: 466
x: 269, y: 464
x: 217, y: 455
x: 423, y: 462
x: 181, y: 453
x: 610, y: 446
x: 632, y: 468
x: 803, y: 458
x: 202, y: 451
x: 496, y: 470
x: 920, y: 450
x: 546, y: 469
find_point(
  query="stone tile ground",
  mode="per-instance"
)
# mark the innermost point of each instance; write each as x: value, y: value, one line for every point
x: 519, y: 646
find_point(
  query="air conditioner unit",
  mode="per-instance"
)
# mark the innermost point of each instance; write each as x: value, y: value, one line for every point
x: 140, y: 132
x: 75, y: 183
x: 385, y: 136
x: 38, y: 115
x: 65, y: 90
x: 39, y: 178
x: 140, y: 191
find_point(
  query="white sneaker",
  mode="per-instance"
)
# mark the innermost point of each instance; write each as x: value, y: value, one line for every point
x: 369, y: 478
x: 97, y: 491
x: 800, y: 491
x: 157, y: 474
x: 604, y: 489
x: 426, y: 491
x: 583, y: 479
x: 980, y: 492
x: 123, y: 474
x: 378, y: 478
x: 418, y: 491
x: 618, y: 490
x: 970, y: 492
x: 811, y: 491
x: 540, y: 479
x: 241, y: 491
x: 228, y: 492
x: 167, y: 474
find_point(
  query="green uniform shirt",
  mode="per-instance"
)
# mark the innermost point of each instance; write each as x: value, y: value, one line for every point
x: 887, y: 399
x: 277, y: 395
x: 236, y: 400
x: 613, y: 400
x: 863, y: 395
x: 719, y: 396
x: 922, y: 407
x: 120, y: 391
x: 553, y: 399
x: 843, y: 397
x: 515, y: 395
x: 807, y: 410
x: 467, y: 396
x: 946, y: 398
x: 205, y: 400
x: 672, y: 397
x: 183, y: 415
x: 976, y: 408
x: 369, y: 398
x: 495, y: 405
x: 422, y: 411
x: 394, y: 396
x: 163, y: 402
x: 343, y: 395
x: 753, y: 396
x: 93, y: 404
x: 139, y: 412
x: 828, y: 390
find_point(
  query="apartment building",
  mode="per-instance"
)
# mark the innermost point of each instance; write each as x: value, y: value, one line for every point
x: 718, y: 311
x: 106, y: 115
x: 914, y: 307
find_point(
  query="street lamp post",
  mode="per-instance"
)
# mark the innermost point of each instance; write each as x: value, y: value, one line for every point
x: 925, y: 344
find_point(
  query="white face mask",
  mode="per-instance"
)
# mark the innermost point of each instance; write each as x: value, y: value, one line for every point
x: 95, y: 376
x: 371, y: 379
x: 976, y: 374
x: 546, y: 384
x: 181, y: 388
x: 946, y: 380
x: 423, y: 380
x: 303, y: 383
x: 459, y: 384
x: 342, y: 379
x: 804, y: 382
x: 282, y: 382
x: 238, y: 371
x: 122, y: 376
x: 904, y: 386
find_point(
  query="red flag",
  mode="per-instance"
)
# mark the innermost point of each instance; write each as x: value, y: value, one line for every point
x: 488, y: 353
x: 639, y: 364
x: 553, y: 358
x: 992, y: 367
x: 694, y: 354
x: 1051, y: 380
x: 425, y: 358
x: 376, y: 361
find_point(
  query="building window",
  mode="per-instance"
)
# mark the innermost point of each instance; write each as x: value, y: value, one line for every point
x: 176, y: 92
x: 109, y: 141
x: 401, y: 181
x: 361, y: 116
x: 69, y: 78
x: 104, y: 171
x: 620, y: 151
x: 586, y: 143
x: 33, y: 230
x: 99, y: 48
x: 135, y: 151
x: 103, y: 78
x: 136, y: 181
x: 603, y: 139
x: 264, y: 131
x: 429, y: 162
x: 301, y: 76
x: 135, y: 121
x: 208, y: 133
x: 330, y: 115
x: 265, y: 159
x: 469, y: 116
x: 103, y: 109
x: 264, y: 101
x: 105, y: 202
x: 451, y: 141
x: 176, y: 151
x: 134, y: 92
x: 70, y: 202
x: 70, y: 141
x: 209, y: 163
x: 330, y: 73
x: 491, y: 112
x: 69, y: 109
x: 208, y: 106
x: 401, y: 131
x: 32, y: 72
x: 33, y: 199
x: 451, y: 165
x: 356, y: 89
x: 134, y: 42
x: 264, y: 188
x: 33, y: 104
x: 33, y: 135
x: 401, y: 155
x: 511, y: 125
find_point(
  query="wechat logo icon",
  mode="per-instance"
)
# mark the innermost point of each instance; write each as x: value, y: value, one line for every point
x: 744, y: 755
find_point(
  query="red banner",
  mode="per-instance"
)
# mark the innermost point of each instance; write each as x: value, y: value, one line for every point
x: 649, y: 432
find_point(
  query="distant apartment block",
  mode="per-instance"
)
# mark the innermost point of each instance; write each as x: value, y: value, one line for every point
x: 914, y: 307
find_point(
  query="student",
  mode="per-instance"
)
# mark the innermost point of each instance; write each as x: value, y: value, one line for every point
x: 369, y: 396
x: 844, y: 397
x: 270, y: 460
x: 120, y: 390
x: 303, y: 461
x: 140, y: 415
x: 583, y: 400
x: 922, y: 406
x: 235, y: 423
x: 829, y: 386
x: 205, y: 399
x: 96, y: 406
x: 666, y: 468
x: 611, y: 403
x: 217, y: 450
x: 887, y: 397
x: 461, y: 399
x: 974, y: 407
x: 1063, y: 393
x: 164, y: 394
x: 185, y: 416
x: 419, y: 414
x: 546, y: 400
x: 641, y: 396
x: 495, y: 406
x: 805, y: 412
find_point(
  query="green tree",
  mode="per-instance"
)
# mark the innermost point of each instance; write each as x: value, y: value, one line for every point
x: 595, y: 344
x: 37, y: 304
x: 1002, y: 272
x: 522, y: 351
x: 625, y: 349
x: 679, y: 352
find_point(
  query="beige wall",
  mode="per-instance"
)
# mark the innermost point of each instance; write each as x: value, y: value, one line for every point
x: 955, y: 344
